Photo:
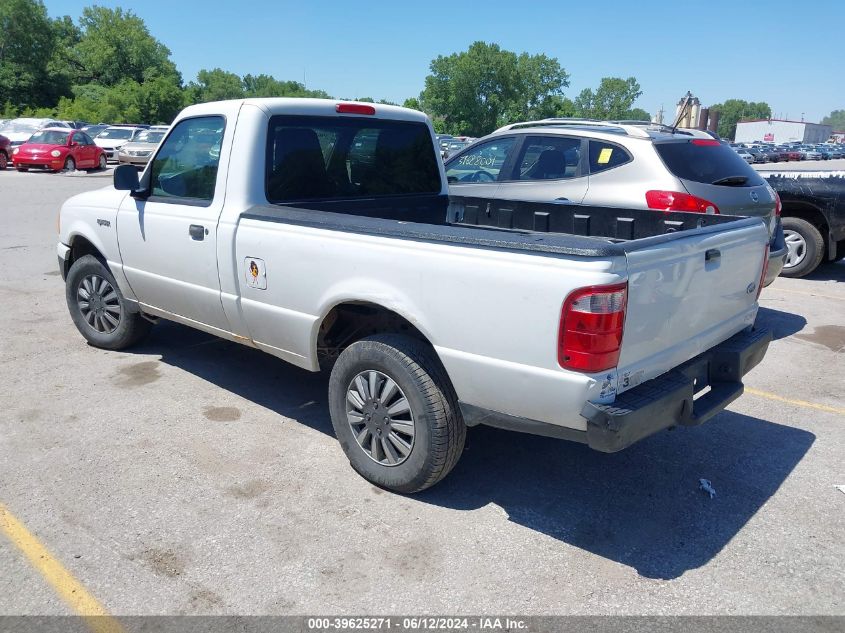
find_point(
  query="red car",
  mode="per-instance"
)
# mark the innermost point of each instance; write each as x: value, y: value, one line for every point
x: 56, y: 149
x: 5, y: 152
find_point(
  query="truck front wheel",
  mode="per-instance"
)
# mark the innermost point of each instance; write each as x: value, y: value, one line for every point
x: 395, y: 413
x: 806, y: 247
x: 98, y: 308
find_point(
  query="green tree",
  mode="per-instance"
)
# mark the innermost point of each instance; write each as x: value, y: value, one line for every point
x: 734, y: 110
x: 27, y: 44
x: 413, y: 103
x: 638, y: 114
x: 611, y: 100
x: 214, y: 85
x: 836, y: 119
x: 115, y: 45
x: 476, y: 91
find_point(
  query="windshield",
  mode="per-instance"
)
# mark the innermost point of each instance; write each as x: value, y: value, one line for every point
x: 149, y: 137
x: 116, y: 133
x: 15, y: 127
x: 49, y: 137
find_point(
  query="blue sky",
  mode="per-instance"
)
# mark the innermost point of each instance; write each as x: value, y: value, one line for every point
x: 785, y: 53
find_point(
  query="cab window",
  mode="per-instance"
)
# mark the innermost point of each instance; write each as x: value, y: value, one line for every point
x: 481, y: 163
x: 185, y: 167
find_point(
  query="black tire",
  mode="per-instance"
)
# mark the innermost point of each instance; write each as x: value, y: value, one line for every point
x: 70, y: 164
x: 439, y: 429
x: 131, y: 326
x: 813, y: 245
x: 23, y: 168
x: 103, y: 164
x: 4, y: 161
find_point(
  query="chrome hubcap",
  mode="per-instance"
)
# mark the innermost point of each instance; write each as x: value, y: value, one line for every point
x: 796, y: 248
x: 99, y: 304
x: 380, y: 418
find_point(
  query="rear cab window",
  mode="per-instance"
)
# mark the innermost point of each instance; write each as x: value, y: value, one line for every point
x: 707, y: 161
x: 319, y: 158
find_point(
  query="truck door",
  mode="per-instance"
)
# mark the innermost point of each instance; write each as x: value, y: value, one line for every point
x: 168, y: 240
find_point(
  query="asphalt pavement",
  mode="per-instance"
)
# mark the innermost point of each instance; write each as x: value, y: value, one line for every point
x: 194, y: 476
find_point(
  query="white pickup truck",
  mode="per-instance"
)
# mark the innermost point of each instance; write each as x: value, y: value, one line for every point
x: 321, y: 232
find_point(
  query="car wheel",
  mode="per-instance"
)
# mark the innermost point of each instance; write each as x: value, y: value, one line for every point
x: 395, y: 413
x: 22, y: 168
x: 103, y: 164
x: 70, y: 164
x: 805, y: 247
x: 98, y: 308
x: 4, y: 161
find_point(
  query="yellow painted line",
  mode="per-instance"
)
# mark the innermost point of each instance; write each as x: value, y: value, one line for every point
x: 798, y: 403
x: 62, y: 581
x: 809, y: 294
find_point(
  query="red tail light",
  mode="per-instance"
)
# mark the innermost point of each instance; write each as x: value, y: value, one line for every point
x: 591, y: 326
x: 778, y: 205
x: 705, y: 141
x: 677, y: 201
x: 765, y: 270
x: 354, y: 108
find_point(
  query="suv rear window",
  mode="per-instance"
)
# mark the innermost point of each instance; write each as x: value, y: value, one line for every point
x: 316, y: 158
x: 706, y: 162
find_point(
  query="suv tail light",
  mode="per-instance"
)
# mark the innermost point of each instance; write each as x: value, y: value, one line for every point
x: 678, y: 201
x: 591, y: 324
x: 778, y: 205
x: 765, y: 270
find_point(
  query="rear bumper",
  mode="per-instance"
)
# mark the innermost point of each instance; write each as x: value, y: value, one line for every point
x: 660, y: 403
x: 669, y: 400
x: 777, y: 255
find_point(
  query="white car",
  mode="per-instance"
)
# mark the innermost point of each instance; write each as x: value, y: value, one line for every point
x: 748, y: 157
x: 114, y: 137
x: 18, y: 131
x: 321, y: 232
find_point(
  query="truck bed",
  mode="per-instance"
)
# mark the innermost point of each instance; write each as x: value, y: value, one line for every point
x: 542, y: 228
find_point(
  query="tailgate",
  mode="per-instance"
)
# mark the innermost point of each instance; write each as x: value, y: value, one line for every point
x: 688, y: 294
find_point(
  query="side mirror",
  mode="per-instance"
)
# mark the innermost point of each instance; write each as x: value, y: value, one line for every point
x: 126, y: 178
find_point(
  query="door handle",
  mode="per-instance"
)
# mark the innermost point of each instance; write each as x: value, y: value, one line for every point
x: 712, y: 255
x: 197, y: 232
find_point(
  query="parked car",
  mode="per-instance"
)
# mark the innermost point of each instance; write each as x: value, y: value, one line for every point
x: 5, y: 152
x: 772, y: 155
x: 452, y: 147
x: 18, y: 131
x: 616, y: 165
x: 114, y: 137
x: 137, y: 152
x: 791, y: 153
x: 759, y: 156
x: 57, y: 148
x: 813, y: 219
x: 318, y: 259
x: 93, y: 130
x: 745, y: 155
x: 811, y: 153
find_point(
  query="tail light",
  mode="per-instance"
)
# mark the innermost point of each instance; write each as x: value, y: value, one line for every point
x: 765, y: 270
x: 778, y: 205
x: 591, y: 324
x: 678, y: 201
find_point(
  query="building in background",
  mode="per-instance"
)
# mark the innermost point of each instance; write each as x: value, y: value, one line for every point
x: 781, y: 131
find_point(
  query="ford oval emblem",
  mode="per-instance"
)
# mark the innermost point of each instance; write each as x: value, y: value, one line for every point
x: 754, y: 196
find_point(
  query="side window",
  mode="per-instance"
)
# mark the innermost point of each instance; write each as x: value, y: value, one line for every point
x: 549, y: 158
x: 83, y: 139
x: 481, y: 163
x: 185, y: 166
x: 605, y: 156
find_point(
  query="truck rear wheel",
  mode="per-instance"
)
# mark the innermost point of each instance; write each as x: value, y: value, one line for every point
x: 395, y: 413
x: 98, y: 308
x: 806, y: 247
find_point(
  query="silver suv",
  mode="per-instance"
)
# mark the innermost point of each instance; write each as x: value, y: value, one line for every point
x: 617, y: 164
